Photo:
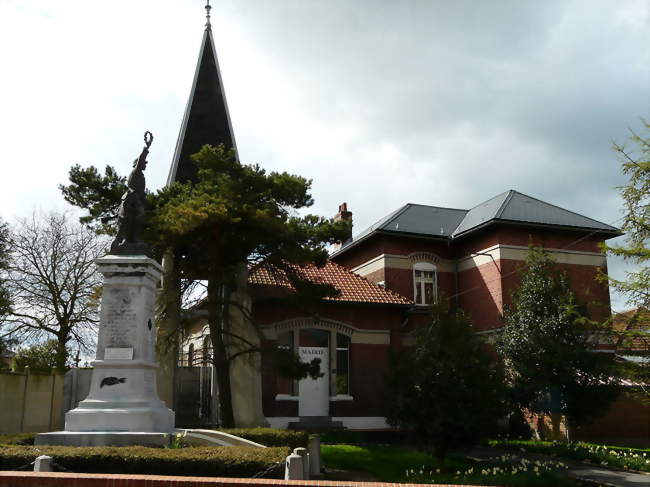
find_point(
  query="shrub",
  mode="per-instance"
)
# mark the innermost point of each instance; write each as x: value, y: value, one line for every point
x: 17, y: 439
x: 198, y: 461
x: 271, y: 436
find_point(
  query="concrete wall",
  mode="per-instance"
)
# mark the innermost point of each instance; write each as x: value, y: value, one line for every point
x: 30, y: 402
x: 35, y: 402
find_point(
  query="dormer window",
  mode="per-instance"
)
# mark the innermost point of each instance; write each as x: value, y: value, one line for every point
x: 424, y: 283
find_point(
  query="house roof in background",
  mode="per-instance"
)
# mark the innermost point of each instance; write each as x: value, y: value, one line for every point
x: 508, y: 207
x: 352, y: 287
x: 513, y: 206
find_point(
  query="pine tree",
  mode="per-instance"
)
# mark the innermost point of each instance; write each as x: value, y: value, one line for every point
x: 633, y: 337
x: 233, y: 217
x: 237, y: 216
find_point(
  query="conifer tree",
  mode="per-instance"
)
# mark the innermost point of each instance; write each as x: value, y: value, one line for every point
x: 633, y: 337
x: 548, y: 347
x: 233, y: 217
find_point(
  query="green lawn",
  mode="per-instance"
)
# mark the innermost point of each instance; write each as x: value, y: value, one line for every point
x: 603, y: 455
x: 401, y: 464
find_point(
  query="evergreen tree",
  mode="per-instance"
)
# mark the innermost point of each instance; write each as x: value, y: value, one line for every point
x: 547, y: 347
x: 5, y: 301
x: 41, y: 357
x: 234, y: 217
x: 99, y: 195
x: 446, y: 389
x: 6, y: 343
x: 636, y: 286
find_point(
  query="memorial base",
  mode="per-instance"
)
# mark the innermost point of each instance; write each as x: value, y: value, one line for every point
x: 103, y: 438
x: 123, y: 407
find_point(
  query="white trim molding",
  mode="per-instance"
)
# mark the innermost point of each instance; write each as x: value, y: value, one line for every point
x: 519, y: 253
x: 286, y: 397
x: 404, y: 262
x: 341, y: 397
x: 357, y: 335
x: 476, y: 259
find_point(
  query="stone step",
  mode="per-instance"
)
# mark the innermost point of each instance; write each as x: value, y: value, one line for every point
x: 316, y: 423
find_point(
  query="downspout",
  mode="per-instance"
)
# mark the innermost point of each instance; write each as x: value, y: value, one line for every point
x: 456, y: 284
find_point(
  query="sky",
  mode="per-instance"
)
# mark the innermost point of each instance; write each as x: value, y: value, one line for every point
x: 379, y: 102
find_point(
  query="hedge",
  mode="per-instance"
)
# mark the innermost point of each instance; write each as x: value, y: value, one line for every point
x: 272, y: 437
x: 17, y: 439
x: 227, y: 461
x: 263, y: 436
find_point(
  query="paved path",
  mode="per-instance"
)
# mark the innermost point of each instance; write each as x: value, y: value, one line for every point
x: 577, y: 470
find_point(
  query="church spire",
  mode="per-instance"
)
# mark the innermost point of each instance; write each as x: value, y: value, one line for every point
x: 206, y: 119
x: 208, y: 7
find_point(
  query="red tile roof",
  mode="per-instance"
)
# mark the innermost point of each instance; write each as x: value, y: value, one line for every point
x: 634, y: 327
x: 352, y: 287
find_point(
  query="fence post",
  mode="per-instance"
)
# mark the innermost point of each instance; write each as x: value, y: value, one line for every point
x: 293, y: 469
x: 22, y: 415
x: 305, y: 461
x: 53, y: 376
x: 314, y: 456
x: 43, y: 464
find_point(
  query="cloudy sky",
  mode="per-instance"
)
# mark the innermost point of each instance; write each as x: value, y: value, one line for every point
x: 379, y: 102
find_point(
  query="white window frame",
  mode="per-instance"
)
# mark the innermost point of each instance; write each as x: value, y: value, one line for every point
x: 419, y: 281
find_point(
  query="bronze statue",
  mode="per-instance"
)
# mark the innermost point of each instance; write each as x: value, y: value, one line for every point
x: 130, y: 217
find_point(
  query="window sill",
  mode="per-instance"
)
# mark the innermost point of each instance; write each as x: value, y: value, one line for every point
x: 341, y: 397
x: 285, y: 397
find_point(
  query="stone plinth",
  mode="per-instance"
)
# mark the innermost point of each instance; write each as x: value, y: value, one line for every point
x: 123, y: 396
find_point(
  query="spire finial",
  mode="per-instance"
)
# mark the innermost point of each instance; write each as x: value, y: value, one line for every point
x: 208, y: 7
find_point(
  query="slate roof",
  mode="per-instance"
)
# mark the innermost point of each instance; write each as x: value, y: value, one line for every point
x: 206, y: 119
x: 353, y: 288
x: 448, y: 223
x: 513, y: 206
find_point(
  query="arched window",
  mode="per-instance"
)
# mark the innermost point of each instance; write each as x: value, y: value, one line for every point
x: 190, y: 355
x: 424, y: 283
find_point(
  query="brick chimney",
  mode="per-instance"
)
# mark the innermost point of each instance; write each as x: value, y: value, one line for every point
x: 346, y: 215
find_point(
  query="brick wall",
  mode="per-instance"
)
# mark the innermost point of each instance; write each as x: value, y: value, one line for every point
x: 60, y: 479
x: 626, y: 418
x: 368, y: 362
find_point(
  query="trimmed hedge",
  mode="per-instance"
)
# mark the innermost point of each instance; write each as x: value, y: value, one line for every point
x: 17, y: 439
x: 264, y: 436
x: 272, y: 437
x: 227, y: 461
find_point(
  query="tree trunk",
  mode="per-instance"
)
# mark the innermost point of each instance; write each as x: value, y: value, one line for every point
x: 216, y: 321
x: 61, y: 354
x: 168, y: 324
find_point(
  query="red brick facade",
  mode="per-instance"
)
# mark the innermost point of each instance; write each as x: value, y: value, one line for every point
x: 478, y: 272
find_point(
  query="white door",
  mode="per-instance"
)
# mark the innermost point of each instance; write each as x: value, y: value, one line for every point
x: 313, y: 394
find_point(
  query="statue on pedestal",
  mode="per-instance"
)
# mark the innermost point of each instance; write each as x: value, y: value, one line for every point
x: 130, y: 218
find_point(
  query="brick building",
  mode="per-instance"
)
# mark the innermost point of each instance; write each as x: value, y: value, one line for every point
x: 388, y: 275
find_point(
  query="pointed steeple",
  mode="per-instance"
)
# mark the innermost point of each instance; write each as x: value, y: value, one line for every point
x: 206, y: 119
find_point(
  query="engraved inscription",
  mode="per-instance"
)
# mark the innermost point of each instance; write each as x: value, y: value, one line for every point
x: 119, y: 326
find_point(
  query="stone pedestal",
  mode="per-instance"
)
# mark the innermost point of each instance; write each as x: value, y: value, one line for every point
x: 123, y: 397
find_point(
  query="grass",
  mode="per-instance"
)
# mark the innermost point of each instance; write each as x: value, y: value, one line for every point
x: 603, y: 455
x: 401, y: 464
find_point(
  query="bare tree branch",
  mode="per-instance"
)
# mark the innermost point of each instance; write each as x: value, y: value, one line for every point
x: 53, y: 282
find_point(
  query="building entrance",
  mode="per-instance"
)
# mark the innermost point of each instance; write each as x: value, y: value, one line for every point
x: 313, y: 394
